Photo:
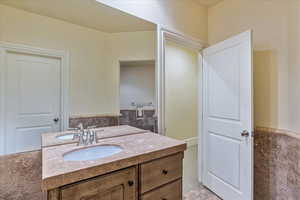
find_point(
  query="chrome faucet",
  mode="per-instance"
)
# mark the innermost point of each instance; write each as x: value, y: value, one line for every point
x: 87, y: 136
x: 84, y: 136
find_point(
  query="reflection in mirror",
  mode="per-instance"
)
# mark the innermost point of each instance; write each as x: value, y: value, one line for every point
x: 64, y: 69
x: 137, y: 94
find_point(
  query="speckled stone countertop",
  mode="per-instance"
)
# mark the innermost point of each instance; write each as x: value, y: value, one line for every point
x: 137, y: 149
x: 50, y: 139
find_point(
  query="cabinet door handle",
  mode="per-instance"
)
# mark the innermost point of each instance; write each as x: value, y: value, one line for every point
x: 165, y: 171
x: 130, y: 183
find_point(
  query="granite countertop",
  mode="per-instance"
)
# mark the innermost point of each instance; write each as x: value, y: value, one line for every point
x: 50, y: 139
x: 137, y: 149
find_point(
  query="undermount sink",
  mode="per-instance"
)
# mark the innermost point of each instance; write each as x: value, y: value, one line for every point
x: 66, y: 137
x: 92, y: 153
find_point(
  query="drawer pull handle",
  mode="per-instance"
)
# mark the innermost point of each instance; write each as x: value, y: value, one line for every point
x: 165, y: 171
x: 163, y: 199
x: 130, y: 183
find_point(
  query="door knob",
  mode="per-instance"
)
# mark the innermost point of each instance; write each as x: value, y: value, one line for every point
x: 245, y: 133
x: 56, y: 120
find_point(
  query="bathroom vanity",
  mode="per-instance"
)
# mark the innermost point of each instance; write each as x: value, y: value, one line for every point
x: 148, y: 167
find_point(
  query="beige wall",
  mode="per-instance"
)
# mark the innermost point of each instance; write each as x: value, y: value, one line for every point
x: 131, y: 46
x: 185, y: 16
x: 181, y: 91
x: 276, y: 28
x: 294, y: 65
x: 94, y: 73
x: 94, y: 79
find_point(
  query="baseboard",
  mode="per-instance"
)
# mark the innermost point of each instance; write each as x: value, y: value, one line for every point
x: 191, y: 141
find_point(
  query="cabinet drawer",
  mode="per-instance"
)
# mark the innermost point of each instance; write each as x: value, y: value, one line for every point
x: 159, y: 172
x: 171, y: 191
x: 121, y: 185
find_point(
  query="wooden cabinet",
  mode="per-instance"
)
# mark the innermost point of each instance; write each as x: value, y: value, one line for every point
x: 159, y: 179
x: 159, y: 172
x: 121, y: 185
x: 171, y: 191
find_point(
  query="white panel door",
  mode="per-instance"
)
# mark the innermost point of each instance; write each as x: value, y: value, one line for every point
x: 32, y: 100
x: 227, y: 115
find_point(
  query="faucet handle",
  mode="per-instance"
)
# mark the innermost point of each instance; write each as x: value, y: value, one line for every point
x: 80, y: 126
x: 93, y: 137
x: 86, y: 137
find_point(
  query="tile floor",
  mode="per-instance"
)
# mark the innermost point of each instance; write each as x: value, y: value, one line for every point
x: 192, y: 189
x: 201, y: 193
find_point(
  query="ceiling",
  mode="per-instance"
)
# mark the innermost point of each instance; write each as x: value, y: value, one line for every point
x: 88, y: 13
x: 208, y: 2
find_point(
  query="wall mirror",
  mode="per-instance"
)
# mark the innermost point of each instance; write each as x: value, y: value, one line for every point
x: 63, y: 63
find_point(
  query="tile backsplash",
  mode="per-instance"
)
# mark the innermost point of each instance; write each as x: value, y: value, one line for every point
x: 96, y: 120
x: 148, y: 120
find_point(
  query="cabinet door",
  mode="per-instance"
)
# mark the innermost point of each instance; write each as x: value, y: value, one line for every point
x: 121, y: 185
x: 171, y: 191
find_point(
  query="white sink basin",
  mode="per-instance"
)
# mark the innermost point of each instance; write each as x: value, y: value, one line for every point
x: 92, y: 153
x: 66, y: 137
